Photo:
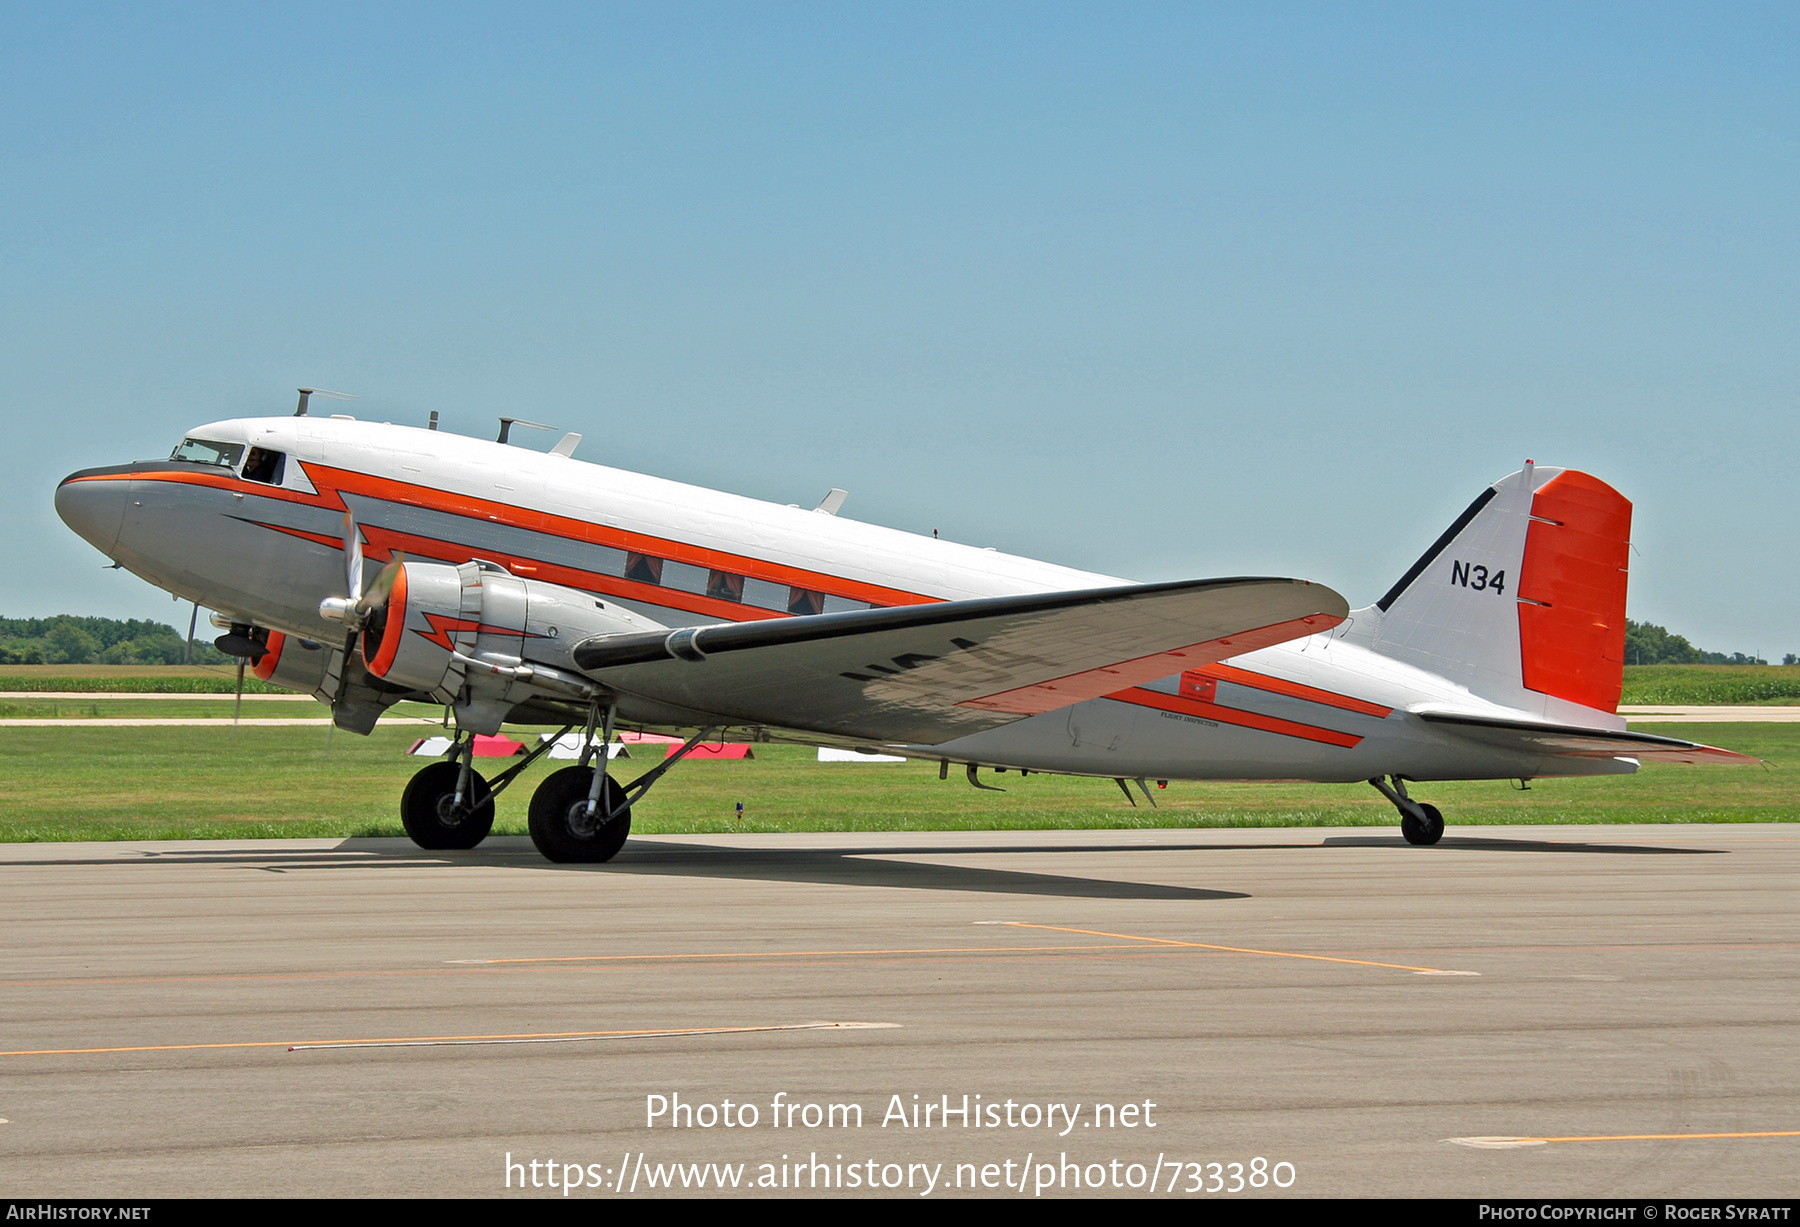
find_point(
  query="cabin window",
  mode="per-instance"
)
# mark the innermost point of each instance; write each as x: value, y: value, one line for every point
x: 721, y: 586
x: 802, y: 602
x: 643, y: 569
x: 204, y: 451
x: 600, y: 559
x: 265, y: 466
x: 765, y: 594
x: 683, y: 577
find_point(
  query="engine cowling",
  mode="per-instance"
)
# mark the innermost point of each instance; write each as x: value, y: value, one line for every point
x: 293, y: 664
x: 410, y: 640
x: 437, y: 613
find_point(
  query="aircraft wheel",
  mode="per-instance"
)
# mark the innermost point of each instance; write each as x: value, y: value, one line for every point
x: 1427, y: 830
x: 431, y: 816
x: 561, y: 826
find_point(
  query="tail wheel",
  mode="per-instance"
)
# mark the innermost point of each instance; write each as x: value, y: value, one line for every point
x: 561, y: 826
x: 1423, y: 830
x: 431, y: 815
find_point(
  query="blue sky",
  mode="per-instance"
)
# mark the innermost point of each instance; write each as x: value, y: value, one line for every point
x: 1157, y: 290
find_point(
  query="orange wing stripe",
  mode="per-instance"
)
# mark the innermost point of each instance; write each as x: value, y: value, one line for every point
x: 1231, y: 715
x: 1094, y: 683
x: 1294, y: 690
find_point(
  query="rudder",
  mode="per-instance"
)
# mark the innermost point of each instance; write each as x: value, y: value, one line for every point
x: 1572, y: 591
x: 1523, y: 598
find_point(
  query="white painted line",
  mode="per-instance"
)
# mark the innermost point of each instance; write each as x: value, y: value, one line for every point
x: 1498, y: 1143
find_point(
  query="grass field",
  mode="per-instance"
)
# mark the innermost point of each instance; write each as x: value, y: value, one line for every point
x: 72, y: 783
x: 132, y: 679
x: 1720, y: 685
x: 281, y: 706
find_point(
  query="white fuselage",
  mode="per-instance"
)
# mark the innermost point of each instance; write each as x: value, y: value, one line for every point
x: 1330, y: 707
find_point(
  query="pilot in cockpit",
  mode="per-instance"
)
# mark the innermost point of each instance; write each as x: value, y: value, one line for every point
x: 263, y: 465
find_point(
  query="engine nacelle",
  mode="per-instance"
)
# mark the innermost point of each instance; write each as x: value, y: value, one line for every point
x: 439, y: 617
x: 410, y: 640
x: 293, y: 664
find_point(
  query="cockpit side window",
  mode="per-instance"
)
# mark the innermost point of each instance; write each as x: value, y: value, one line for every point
x: 264, y: 465
x: 204, y: 451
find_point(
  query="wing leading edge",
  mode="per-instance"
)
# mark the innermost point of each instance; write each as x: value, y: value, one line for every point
x: 928, y: 673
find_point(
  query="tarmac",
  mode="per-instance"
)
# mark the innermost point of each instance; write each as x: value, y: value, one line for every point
x: 1597, y: 1011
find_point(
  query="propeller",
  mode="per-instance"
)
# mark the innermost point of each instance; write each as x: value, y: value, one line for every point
x: 358, y: 607
x: 355, y: 609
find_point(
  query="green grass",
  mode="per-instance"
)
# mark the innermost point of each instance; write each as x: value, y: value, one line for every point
x: 131, y: 679
x: 75, y: 783
x: 1721, y: 685
x: 150, y: 708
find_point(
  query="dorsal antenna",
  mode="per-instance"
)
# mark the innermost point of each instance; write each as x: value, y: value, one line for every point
x: 307, y: 394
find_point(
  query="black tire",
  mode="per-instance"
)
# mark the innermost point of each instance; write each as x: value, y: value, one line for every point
x: 1428, y: 830
x: 561, y: 826
x: 431, y: 816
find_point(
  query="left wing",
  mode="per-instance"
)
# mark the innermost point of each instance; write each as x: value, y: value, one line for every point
x: 927, y: 673
x: 1565, y: 741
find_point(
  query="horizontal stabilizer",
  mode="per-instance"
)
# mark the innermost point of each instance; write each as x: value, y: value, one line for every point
x: 1562, y: 741
x: 927, y: 673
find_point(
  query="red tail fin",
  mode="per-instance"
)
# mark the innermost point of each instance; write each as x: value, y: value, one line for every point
x: 1572, y: 591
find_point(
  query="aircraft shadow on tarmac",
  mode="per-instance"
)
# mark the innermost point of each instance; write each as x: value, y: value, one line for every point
x: 829, y: 866
x: 855, y: 866
x: 870, y: 867
x: 1476, y: 843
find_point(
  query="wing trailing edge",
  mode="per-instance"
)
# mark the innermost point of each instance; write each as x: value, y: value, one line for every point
x: 1566, y: 741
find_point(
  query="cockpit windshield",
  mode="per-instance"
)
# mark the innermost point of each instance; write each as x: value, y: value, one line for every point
x: 204, y: 451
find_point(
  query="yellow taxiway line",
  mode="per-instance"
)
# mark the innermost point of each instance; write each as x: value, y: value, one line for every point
x: 1508, y: 1143
x: 1279, y: 954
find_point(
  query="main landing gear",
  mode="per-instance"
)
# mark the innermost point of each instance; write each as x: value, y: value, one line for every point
x: 447, y: 805
x: 578, y: 814
x: 1419, y: 823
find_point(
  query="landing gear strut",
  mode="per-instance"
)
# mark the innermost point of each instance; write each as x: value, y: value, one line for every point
x: 577, y: 814
x: 581, y: 814
x: 1419, y: 823
x: 449, y: 805
x: 563, y: 826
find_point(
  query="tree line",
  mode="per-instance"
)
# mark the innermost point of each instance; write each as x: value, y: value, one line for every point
x: 1649, y: 644
x: 68, y: 640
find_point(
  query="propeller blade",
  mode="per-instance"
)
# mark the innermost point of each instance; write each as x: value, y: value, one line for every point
x: 383, y: 587
x: 353, y: 557
x: 351, y: 609
x: 344, y: 671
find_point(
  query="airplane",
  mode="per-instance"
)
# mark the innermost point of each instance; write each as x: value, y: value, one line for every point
x: 516, y: 586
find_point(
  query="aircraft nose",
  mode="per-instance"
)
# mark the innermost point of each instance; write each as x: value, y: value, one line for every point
x: 93, y: 505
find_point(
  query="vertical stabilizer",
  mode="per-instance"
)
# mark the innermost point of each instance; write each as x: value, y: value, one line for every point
x: 1572, y: 591
x: 1522, y: 600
